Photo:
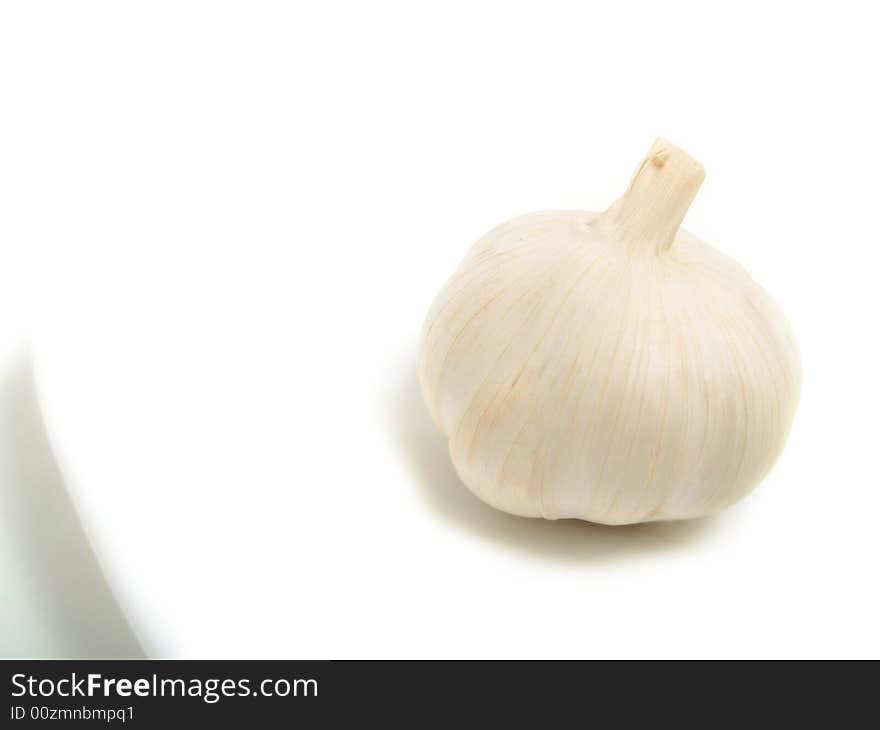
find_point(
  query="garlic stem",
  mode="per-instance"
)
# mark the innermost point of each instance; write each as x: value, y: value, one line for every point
x: 649, y: 214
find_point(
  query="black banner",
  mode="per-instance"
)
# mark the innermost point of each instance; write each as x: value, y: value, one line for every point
x: 163, y: 693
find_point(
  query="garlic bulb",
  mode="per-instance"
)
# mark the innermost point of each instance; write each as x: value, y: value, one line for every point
x: 610, y: 367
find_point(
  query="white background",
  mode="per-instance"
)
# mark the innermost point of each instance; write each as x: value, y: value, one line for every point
x: 221, y: 225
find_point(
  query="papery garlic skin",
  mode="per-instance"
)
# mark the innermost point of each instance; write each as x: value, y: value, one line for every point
x: 610, y: 367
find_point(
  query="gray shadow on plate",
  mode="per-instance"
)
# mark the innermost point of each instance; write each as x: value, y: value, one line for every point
x: 54, y: 599
x: 425, y: 449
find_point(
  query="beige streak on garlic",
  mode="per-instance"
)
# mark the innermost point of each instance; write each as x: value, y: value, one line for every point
x: 611, y: 367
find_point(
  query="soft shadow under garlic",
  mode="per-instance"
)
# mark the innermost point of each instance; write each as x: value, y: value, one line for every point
x: 424, y: 447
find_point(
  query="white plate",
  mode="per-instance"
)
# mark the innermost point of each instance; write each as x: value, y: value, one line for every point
x: 259, y: 478
x: 238, y: 220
